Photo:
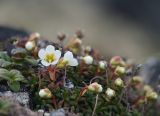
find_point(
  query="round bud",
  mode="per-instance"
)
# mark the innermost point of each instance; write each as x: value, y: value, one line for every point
x: 30, y: 45
x: 79, y: 34
x: 119, y: 71
x: 152, y: 95
x: 119, y: 82
x: 95, y: 87
x: 45, y: 93
x: 61, y: 36
x: 88, y: 59
x: 110, y: 93
x: 102, y: 64
x: 137, y: 79
x: 116, y: 61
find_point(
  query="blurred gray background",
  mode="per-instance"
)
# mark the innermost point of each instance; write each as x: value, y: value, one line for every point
x: 115, y: 27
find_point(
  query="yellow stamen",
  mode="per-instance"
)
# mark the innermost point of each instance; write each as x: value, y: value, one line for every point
x: 49, y: 58
x: 62, y: 63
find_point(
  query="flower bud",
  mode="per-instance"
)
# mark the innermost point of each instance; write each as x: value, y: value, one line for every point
x: 61, y: 36
x: 45, y: 93
x: 102, y: 64
x: 119, y: 82
x: 152, y: 95
x: 79, y: 34
x: 95, y: 87
x: 119, y: 71
x: 30, y: 45
x: 88, y: 49
x: 137, y: 79
x: 147, y: 89
x: 88, y: 59
x: 110, y: 93
x: 77, y: 41
x: 34, y: 36
x: 116, y: 61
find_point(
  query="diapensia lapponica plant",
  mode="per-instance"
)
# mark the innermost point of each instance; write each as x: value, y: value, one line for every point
x: 76, y: 78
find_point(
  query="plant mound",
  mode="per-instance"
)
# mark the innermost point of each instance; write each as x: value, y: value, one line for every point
x: 75, y: 78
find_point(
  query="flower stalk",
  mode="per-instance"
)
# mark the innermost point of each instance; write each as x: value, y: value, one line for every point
x: 95, y: 106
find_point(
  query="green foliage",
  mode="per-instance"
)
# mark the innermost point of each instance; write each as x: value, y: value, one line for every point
x: 13, y: 78
x: 4, y: 55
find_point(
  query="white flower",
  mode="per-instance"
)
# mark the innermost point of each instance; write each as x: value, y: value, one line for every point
x: 88, y: 59
x: 119, y: 82
x: 45, y: 93
x: 49, y: 56
x: 110, y: 93
x: 71, y: 61
x: 102, y: 64
x: 30, y: 45
x: 95, y: 87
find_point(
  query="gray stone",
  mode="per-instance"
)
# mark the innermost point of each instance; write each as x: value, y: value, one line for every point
x: 69, y: 84
x: 20, y: 97
x: 59, y: 112
x: 151, y: 71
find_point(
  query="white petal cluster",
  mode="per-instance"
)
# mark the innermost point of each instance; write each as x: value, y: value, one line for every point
x: 49, y: 56
x: 71, y: 61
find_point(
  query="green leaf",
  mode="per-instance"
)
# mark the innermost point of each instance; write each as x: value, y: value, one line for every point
x: 31, y: 61
x: 4, y: 63
x: 4, y: 55
x: 15, y: 86
x: 13, y: 75
x: 16, y: 75
x: 4, y: 74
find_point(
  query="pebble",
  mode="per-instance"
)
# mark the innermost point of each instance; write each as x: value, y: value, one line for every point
x: 59, y: 112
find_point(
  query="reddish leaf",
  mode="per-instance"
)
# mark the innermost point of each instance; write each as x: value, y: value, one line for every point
x: 83, y: 91
x: 52, y: 73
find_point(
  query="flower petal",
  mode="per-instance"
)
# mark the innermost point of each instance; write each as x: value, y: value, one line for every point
x: 73, y: 62
x: 50, y: 49
x: 68, y: 56
x: 41, y: 53
x: 55, y: 62
x: 45, y: 63
x: 57, y: 54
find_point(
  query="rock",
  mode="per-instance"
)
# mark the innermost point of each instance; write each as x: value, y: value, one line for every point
x: 59, y: 112
x: 20, y: 97
x: 40, y: 112
x: 15, y: 109
x: 151, y: 71
x: 68, y: 84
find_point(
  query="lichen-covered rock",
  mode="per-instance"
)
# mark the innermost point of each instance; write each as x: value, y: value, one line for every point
x: 20, y: 97
x: 15, y: 109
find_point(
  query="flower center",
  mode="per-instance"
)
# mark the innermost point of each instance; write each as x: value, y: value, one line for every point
x: 62, y: 63
x: 49, y: 57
